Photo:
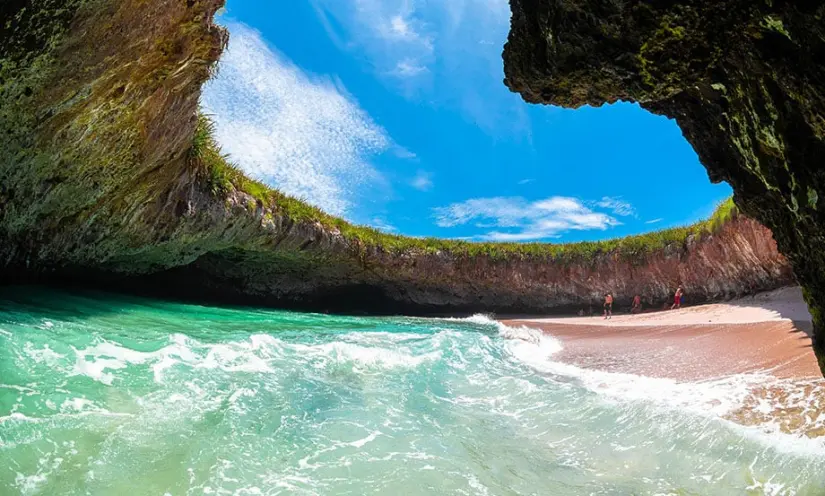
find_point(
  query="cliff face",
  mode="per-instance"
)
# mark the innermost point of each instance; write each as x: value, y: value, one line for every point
x: 98, y: 183
x: 742, y: 79
x: 740, y: 258
x: 97, y: 111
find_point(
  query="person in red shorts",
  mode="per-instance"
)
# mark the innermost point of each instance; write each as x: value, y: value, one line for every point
x: 677, y: 299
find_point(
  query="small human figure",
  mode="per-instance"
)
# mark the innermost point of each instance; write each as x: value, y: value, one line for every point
x: 581, y: 312
x: 637, y: 304
x: 677, y: 299
x: 608, y: 306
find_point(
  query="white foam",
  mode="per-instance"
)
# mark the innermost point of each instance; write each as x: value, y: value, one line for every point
x: 715, y: 398
x: 344, y: 353
x: 479, y: 318
x: 477, y: 486
x: 793, y: 444
x: 234, y: 358
x: 78, y: 405
x: 382, y: 338
x: 361, y: 351
x: 96, y: 361
x: 361, y: 442
x: 718, y: 396
x: 523, y: 333
x: 29, y: 484
x: 42, y: 355
x: 536, y: 349
x: 18, y: 417
x: 107, y: 356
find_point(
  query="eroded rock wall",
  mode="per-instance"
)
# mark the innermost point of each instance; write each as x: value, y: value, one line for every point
x: 740, y: 258
x: 743, y: 79
x: 97, y: 111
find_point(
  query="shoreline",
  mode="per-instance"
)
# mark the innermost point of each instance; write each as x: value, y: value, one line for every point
x: 761, y: 342
x: 766, y: 333
x: 784, y: 304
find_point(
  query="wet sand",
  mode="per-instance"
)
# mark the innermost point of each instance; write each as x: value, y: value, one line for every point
x: 768, y: 334
x: 687, y: 352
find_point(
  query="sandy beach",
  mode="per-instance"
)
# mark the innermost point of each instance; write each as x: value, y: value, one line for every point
x: 768, y: 332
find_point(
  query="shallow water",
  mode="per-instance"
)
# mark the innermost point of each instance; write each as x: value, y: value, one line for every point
x: 103, y: 394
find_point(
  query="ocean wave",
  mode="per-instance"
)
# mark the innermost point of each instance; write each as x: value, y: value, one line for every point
x: 754, y: 400
x: 103, y: 360
x: 522, y: 333
x: 363, y: 357
x: 229, y: 402
x: 788, y: 415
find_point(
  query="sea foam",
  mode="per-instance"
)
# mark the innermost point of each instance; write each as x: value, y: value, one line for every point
x: 760, y: 399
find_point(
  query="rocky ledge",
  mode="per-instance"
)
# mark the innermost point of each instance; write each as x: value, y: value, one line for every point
x: 109, y: 176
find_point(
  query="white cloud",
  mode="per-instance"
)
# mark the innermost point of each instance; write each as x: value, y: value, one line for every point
x: 654, y: 221
x: 400, y: 26
x: 383, y: 225
x: 408, y: 68
x: 528, y: 220
x: 422, y: 181
x: 617, y: 205
x: 390, y: 32
x: 300, y: 133
x: 443, y: 52
x: 525, y: 181
x: 400, y: 29
x: 403, y: 153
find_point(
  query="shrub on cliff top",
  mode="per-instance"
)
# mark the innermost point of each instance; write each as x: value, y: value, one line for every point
x: 209, y: 162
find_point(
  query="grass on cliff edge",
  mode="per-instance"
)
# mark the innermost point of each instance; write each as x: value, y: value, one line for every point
x: 221, y: 177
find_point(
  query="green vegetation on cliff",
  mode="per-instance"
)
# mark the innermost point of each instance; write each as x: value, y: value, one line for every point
x: 221, y: 177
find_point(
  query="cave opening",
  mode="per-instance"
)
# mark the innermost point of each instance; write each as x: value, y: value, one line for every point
x: 533, y: 174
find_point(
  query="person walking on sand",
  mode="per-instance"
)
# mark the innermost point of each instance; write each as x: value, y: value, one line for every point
x: 677, y: 299
x: 637, y: 304
x: 608, y: 306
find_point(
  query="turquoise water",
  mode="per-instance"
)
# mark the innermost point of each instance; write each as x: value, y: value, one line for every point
x: 103, y: 395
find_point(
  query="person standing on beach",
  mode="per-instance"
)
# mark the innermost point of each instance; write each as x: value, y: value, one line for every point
x: 608, y: 306
x: 637, y: 304
x: 677, y: 299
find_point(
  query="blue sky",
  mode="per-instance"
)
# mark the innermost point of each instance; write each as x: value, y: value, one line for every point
x: 393, y: 113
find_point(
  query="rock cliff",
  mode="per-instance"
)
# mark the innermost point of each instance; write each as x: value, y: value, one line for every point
x: 739, y: 258
x: 743, y: 79
x: 109, y: 176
